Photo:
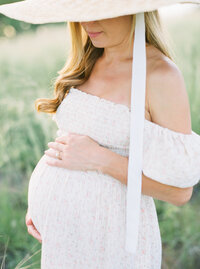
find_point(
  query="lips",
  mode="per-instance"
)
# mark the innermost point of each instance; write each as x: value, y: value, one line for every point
x: 94, y: 34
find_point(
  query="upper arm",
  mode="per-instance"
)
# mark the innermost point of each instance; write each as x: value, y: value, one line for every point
x: 169, y: 105
x: 168, y: 99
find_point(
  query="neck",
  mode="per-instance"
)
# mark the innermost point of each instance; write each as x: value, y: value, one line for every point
x: 119, y: 53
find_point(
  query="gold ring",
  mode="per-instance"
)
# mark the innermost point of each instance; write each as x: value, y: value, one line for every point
x: 58, y: 155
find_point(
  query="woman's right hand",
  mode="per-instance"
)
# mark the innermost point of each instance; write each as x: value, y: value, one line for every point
x: 31, y: 228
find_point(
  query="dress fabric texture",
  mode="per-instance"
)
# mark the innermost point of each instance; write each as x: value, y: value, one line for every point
x: 81, y: 215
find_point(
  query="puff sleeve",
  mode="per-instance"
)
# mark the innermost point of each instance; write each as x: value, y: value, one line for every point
x: 170, y: 157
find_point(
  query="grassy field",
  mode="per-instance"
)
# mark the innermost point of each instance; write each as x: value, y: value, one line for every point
x: 28, y: 64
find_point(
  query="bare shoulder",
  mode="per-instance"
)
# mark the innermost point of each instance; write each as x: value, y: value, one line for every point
x: 166, y: 92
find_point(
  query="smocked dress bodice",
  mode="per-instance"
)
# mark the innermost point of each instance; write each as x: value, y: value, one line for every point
x: 170, y: 157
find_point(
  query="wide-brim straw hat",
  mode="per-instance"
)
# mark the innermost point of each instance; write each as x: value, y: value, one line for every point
x: 51, y: 11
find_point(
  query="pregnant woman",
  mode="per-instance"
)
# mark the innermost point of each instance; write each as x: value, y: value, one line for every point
x: 78, y: 191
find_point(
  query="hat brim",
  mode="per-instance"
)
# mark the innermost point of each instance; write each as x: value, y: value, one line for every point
x: 48, y: 11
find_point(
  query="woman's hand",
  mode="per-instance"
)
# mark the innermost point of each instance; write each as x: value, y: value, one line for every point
x: 31, y: 228
x: 76, y: 152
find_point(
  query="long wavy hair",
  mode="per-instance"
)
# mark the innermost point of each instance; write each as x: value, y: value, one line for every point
x: 83, y: 55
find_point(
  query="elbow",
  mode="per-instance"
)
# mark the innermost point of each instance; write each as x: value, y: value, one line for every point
x: 184, y: 197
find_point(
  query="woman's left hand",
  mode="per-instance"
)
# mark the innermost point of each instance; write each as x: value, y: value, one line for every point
x: 76, y: 152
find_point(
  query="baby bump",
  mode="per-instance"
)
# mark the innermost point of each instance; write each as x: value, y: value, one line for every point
x: 54, y: 192
x: 46, y: 184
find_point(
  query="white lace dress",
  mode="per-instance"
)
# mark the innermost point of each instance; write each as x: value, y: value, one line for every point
x: 81, y: 215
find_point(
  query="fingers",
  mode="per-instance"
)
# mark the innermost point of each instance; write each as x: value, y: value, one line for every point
x: 31, y: 228
x: 29, y: 221
x: 65, y: 138
x: 34, y: 232
x: 56, y: 146
x: 55, y: 162
x: 52, y: 153
x: 61, y: 139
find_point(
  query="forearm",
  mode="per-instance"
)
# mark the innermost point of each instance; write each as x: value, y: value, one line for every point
x: 116, y: 166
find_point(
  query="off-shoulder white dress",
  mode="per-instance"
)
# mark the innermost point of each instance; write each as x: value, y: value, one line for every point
x: 81, y: 215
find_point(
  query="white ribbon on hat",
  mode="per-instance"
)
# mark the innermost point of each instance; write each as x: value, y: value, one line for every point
x: 134, y: 182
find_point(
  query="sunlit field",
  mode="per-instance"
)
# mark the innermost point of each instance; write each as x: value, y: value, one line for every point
x: 28, y: 66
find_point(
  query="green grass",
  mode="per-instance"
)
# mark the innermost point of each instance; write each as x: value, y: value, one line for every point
x: 15, y: 243
x: 27, y: 70
x: 29, y: 63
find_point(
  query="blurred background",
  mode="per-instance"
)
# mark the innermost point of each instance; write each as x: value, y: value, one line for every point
x: 30, y: 56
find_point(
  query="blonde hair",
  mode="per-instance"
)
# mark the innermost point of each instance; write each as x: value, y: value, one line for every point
x: 83, y: 55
